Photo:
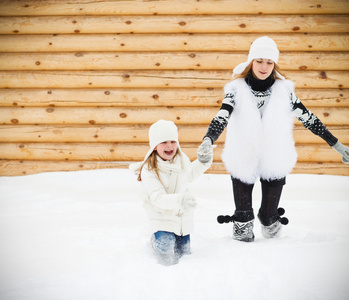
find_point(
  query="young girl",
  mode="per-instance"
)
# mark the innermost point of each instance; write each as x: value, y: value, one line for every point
x: 165, y: 174
x: 260, y: 106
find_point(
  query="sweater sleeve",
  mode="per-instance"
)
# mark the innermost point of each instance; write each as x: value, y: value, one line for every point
x: 220, y: 121
x: 310, y: 121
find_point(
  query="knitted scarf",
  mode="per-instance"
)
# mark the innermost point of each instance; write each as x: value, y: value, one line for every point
x: 259, y: 85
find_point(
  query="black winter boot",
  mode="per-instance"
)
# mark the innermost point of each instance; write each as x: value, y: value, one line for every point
x: 243, y: 226
x: 269, y: 214
x: 243, y: 217
x: 271, y: 226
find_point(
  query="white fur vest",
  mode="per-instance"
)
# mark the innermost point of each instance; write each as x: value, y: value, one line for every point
x: 258, y: 146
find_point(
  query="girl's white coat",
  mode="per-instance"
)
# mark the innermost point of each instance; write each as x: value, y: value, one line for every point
x: 163, y: 198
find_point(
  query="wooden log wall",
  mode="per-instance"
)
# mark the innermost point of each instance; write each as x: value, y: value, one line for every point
x: 81, y: 81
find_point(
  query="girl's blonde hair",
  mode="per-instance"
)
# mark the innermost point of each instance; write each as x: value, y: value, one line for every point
x: 248, y: 69
x: 152, y: 164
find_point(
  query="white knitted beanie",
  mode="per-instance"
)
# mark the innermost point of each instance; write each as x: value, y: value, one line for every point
x: 263, y: 47
x: 162, y: 131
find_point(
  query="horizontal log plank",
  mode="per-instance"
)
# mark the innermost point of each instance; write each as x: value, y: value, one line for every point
x: 151, y: 97
x: 27, y: 167
x: 172, y: 42
x: 165, y: 60
x: 125, y: 115
x: 139, y: 7
x: 133, y: 134
x: 174, y: 24
x: 133, y: 97
x: 156, y: 79
x: 19, y: 167
x: 132, y: 152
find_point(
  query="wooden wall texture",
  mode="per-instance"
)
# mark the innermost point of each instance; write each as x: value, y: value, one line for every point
x: 81, y: 81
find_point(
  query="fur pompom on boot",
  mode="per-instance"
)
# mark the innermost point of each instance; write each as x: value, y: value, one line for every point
x: 243, y: 224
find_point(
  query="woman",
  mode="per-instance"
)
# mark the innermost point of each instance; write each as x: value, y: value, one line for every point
x: 260, y: 105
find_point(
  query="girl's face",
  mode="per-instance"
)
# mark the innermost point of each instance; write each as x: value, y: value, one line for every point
x: 167, y: 150
x: 262, y: 68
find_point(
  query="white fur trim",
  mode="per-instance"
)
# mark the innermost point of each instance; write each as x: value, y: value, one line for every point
x: 260, y: 147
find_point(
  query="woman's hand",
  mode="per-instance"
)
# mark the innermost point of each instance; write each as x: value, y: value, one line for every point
x: 342, y: 150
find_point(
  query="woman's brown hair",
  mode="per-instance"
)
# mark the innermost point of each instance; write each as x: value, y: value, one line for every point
x: 248, y: 69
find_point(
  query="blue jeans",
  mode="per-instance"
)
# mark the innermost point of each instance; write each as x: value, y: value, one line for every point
x: 167, y: 242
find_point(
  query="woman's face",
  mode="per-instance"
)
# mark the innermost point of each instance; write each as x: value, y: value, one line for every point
x: 167, y: 150
x: 262, y: 68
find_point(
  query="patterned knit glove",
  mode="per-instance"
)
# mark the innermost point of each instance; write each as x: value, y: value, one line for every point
x: 342, y: 150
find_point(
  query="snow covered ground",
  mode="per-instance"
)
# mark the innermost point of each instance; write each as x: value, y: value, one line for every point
x: 84, y: 235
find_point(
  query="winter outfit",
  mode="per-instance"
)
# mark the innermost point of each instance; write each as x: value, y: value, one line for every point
x: 166, y: 197
x: 268, y: 151
x: 259, y: 143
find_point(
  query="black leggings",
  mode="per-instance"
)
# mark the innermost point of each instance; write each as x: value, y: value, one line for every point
x: 271, y: 193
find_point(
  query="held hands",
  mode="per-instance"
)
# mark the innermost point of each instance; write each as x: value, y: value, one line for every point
x: 205, y: 151
x: 342, y: 150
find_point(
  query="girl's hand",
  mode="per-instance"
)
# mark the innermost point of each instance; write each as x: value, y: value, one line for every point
x: 189, y: 202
